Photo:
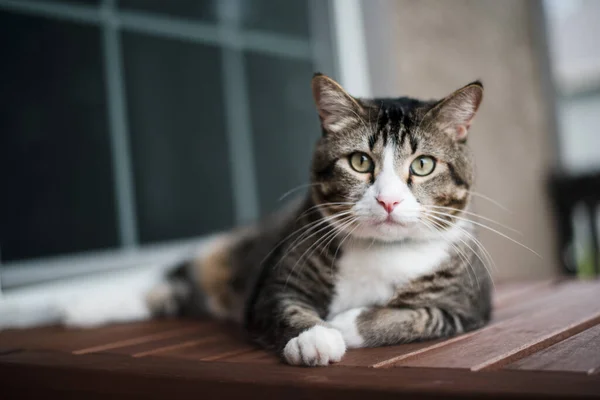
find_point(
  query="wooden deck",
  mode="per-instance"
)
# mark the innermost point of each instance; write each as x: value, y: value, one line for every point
x: 544, y: 342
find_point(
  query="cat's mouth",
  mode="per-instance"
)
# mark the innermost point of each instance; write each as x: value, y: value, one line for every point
x: 390, y: 221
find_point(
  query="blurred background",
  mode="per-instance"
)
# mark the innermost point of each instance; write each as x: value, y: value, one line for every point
x: 132, y: 129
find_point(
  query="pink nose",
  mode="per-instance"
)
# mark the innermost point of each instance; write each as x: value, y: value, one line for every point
x: 388, y: 203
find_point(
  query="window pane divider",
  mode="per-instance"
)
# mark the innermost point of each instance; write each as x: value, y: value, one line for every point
x: 278, y: 44
x: 118, y: 129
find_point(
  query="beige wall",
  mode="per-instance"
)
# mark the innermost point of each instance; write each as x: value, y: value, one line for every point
x: 428, y: 48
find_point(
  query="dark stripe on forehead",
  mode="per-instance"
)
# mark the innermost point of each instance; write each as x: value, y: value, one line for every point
x: 414, y: 143
x: 372, y: 141
x: 396, y: 115
x: 382, y: 120
x: 456, y: 177
x: 403, y: 136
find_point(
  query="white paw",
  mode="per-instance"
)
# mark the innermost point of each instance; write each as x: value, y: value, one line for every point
x: 317, y: 346
x: 345, y: 322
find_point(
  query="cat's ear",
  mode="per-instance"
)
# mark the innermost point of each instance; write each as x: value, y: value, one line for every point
x: 337, y: 109
x: 454, y: 113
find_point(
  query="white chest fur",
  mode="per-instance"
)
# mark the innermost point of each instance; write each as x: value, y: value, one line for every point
x: 369, y: 275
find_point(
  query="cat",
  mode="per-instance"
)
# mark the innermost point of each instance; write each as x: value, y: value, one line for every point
x: 376, y: 254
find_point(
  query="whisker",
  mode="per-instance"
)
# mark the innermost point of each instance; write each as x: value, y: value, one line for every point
x: 494, y: 202
x: 428, y: 207
x: 322, y: 205
x: 495, y: 231
x: 340, y: 244
x: 322, y: 221
x: 461, y: 254
x: 308, y: 227
x: 483, y: 262
x: 298, y: 242
x: 316, y: 243
x: 286, y: 194
x: 480, y: 245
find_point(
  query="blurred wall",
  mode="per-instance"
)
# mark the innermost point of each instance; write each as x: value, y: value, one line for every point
x: 429, y: 48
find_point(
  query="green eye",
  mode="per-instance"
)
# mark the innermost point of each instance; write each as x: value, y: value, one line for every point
x: 361, y: 162
x: 422, y: 166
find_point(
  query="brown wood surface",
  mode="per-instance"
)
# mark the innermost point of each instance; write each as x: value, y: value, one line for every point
x: 114, y: 376
x: 509, y: 301
x: 543, y: 321
x: 58, y: 338
x: 544, y: 341
x: 580, y: 353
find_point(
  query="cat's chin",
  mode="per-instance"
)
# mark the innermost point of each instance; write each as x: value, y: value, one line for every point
x: 387, y: 230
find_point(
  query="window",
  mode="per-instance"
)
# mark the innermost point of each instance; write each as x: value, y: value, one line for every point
x: 131, y: 129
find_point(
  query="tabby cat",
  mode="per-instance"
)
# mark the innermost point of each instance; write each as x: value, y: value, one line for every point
x: 376, y: 254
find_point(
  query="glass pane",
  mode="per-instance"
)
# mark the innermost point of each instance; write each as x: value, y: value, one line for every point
x: 55, y: 162
x: 178, y: 137
x: 205, y: 10
x: 288, y: 17
x: 284, y: 124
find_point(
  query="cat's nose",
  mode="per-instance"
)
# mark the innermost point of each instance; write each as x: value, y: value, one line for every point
x: 388, y: 203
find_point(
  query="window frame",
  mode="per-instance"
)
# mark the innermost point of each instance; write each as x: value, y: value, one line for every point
x: 337, y: 33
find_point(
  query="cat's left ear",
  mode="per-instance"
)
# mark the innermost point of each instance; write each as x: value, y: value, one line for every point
x: 454, y: 114
x: 337, y: 109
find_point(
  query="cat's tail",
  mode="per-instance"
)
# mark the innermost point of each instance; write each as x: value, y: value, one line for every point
x: 129, y: 295
x: 168, y: 291
x: 199, y: 286
x: 178, y: 294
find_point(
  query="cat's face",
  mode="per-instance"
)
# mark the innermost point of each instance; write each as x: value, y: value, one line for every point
x: 394, y: 168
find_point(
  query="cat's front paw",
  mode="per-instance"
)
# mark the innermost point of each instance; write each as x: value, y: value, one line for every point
x: 317, y: 346
x: 346, y: 322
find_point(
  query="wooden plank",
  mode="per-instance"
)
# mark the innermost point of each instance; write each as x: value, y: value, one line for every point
x: 9, y: 350
x: 216, y: 347
x: 201, y: 330
x: 384, y: 356
x: 96, y: 376
x: 60, y: 338
x: 511, y: 293
x: 139, y: 340
x: 580, y: 353
x: 570, y: 309
x: 512, y: 300
x: 257, y: 356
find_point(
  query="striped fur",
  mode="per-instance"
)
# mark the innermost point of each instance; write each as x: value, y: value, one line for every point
x: 335, y: 270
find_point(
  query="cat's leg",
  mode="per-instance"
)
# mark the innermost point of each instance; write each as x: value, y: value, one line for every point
x: 297, y: 333
x: 382, y: 326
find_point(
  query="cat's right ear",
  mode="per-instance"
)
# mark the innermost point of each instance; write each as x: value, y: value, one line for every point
x: 337, y: 109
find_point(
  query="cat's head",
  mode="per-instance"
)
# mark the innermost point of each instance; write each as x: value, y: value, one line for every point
x: 391, y: 169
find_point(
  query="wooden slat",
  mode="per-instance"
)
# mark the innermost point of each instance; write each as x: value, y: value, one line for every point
x: 580, y: 353
x: 217, y: 347
x: 257, y: 356
x: 511, y: 293
x: 510, y: 300
x: 384, y: 356
x: 571, y: 309
x: 139, y: 340
x: 9, y: 350
x: 100, y: 376
x: 59, y: 338
x: 201, y: 330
